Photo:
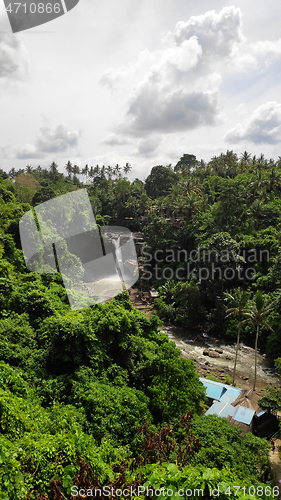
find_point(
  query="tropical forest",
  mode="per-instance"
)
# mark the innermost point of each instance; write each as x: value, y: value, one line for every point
x: 101, y: 402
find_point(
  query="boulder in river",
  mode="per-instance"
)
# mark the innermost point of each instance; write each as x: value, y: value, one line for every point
x: 214, y: 354
x: 219, y: 350
x: 206, y: 352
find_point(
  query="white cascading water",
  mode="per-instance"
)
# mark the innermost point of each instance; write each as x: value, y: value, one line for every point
x: 119, y: 260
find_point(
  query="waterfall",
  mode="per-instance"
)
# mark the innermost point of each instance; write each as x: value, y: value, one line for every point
x: 119, y: 260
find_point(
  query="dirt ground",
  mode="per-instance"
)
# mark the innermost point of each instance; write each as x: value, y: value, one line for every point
x: 275, y: 463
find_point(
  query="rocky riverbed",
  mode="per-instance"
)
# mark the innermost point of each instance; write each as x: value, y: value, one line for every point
x: 216, y: 357
x: 219, y: 360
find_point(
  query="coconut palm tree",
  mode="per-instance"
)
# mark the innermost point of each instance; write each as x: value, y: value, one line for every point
x: 109, y: 171
x: 91, y: 173
x: 53, y: 169
x: 273, y: 179
x: 96, y: 171
x: 257, y: 209
x: 76, y: 170
x: 257, y: 313
x: 29, y: 169
x: 117, y: 171
x: 238, y: 301
x: 160, y: 205
x: 85, y: 171
x: 127, y: 168
x: 102, y: 172
x: 68, y: 167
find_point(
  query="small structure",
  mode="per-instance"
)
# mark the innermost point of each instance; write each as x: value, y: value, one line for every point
x: 231, y: 403
x: 219, y: 391
x: 153, y: 293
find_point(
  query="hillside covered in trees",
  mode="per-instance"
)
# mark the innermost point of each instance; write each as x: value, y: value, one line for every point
x: 100, y: 397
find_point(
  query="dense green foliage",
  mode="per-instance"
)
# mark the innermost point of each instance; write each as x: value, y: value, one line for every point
x: 75, y: 386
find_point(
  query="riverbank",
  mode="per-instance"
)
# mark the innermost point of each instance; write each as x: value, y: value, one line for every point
x: 192, y: 346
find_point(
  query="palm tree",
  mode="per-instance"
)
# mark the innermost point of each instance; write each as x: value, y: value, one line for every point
x: 76, y: 170
x: 160, y: 205
x: 53, y: 170
x: 85, y: 171
x: 29, y: 169
x: 179, y: 205
x: 117, y: 171
x: 96, y: 171
x: 39, y: 170
x: 102, y: 172
x: 246, y: 157
x: 192, y: 202
x: 257, y: 314
x: 273, y: 179
x: 127, y: 168
x: 91, y: 173
x: 238, y: 302
x: 257, y: 210
x: 68, y: 167
x: 109, y: 171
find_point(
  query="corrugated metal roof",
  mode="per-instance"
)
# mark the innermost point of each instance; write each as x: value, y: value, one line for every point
x: 213, y: 390
x: 219, y: 391
x: 262, y: 412
x: 226, y: 394
x: 243, y: 415
x: 221, y: 409
x: 231, y: 394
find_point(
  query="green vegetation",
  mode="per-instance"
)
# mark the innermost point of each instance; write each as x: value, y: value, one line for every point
x: 100, y: 396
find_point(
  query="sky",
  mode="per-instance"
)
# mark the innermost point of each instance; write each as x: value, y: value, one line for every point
x: 141, y: 82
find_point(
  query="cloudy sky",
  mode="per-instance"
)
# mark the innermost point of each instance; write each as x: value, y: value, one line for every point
x: 142, y: 82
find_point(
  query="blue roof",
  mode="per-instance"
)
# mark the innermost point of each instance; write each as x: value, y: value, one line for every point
x: 231, y: 394
x: 219, y: 391
x: 225, y: 395
x: 244, y: 415
x: 262, y: 412
x: 221, y: 409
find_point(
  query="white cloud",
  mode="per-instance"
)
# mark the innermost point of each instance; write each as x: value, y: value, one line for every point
x: 177, y: 88
x: 58, y: 140
x: 113, y: 78
x: 147, y: 147
x: 255, y: 56
x: 28, y: 151
x: 161, y: 110
x: 180, y: 89
x: 263, y: 127
x: 13, y: 55
x: 165, y: 101
x: 115, y: 140
x: 216, y: 33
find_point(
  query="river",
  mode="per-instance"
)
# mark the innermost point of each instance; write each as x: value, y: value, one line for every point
x: 192, y: 346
